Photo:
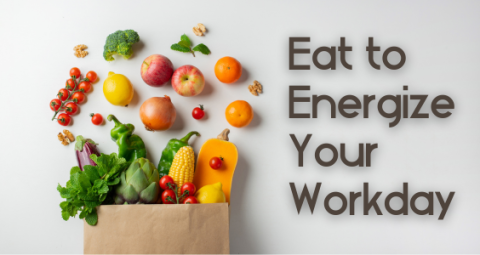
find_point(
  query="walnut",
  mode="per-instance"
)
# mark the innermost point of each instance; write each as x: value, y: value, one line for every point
x: 202, y: 27
x: 80, y: 51
x: 62, y: 139
x: 255, y: 88
x: 199, y: 30
x: 66, y: 138
x: 69, y: 135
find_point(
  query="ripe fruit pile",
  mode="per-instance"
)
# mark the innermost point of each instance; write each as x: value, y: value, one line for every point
x: 72, y: 95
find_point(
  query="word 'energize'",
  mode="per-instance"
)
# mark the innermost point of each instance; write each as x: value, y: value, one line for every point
x: 400, y: 111
x: 332, y: 65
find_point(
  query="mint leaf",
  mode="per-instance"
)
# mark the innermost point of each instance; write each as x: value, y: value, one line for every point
x: 64, y: 192
x: 184, y: 44
x: 90, y: 188
x: 184, y: 38
x: 83, y: 214
x: 101, y: 186
x: 114, y: 182
x: 84, y: 181
x: 202, y: 48
x: 91, y: 172
x: 92, y: 218
x: 92, y: 202
x: 75, y: 169
x: 180, y: 48
x: 64, y: 205
x: 106, y: 162
x: 65, y: 215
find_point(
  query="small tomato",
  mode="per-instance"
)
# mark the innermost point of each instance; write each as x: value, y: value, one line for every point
x: 216, y: 163
x: 198, y: 112
x: 63, y: 119
x: 55, y: 104
x: 63, y: 94
x: 91, y: 76
x: 190, y: 200
x: 70, y: 84
x: 71, y: 108
x: 97, y: 118
x: 169, y: 197
x: 164, y: 180
x: 85, y: 85
x: 75, y: 72
x: 79, y: 96
x: 188, y: 186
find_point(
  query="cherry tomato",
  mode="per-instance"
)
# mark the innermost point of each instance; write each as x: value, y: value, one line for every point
x: 190, y: 187
x: 169, y: 194
x: 63, y: 119
x: 79, y: 96
x: 216, y: 163
x: 55, y: 104
x: 198, y: 112
x: 75, y: 72
x: 97, y: 118
x: 63, y: 94
x: 70, y: 85
x: 190, y: 200
x: 85, y: 85
x: 91, y: 76
x: 164, y: 180
x: 71, y: 108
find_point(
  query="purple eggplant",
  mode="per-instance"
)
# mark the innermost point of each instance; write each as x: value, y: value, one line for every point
x: 84, y: 148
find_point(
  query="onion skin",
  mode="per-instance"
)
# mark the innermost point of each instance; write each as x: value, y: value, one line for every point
x: 158, y: 113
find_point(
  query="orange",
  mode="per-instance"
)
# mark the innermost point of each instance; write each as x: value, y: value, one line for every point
x: 228, y: 70
x: 239, y: 113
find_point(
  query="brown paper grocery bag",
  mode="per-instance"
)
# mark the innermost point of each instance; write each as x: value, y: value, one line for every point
x: 163, y: 228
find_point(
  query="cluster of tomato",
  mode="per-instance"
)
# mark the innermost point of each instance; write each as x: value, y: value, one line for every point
x: 170, y: 190
x: 73, y: 94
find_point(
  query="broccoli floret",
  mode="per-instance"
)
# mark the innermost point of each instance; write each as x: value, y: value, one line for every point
x: 120, y: 43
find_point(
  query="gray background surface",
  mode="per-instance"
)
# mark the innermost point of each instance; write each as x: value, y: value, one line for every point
x: 441, y: 41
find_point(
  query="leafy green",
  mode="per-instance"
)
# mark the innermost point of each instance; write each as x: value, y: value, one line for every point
x: 184, y: 38
x: 184, y: 45
x: 179, y: 47
x: 120, y: 43
x: 91, y: 188
x: 202, y: 48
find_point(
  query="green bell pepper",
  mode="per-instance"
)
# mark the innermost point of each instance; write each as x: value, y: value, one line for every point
x: 169, y: 152
x: 130, y: 146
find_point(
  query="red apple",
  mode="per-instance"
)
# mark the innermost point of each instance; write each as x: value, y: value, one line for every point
x: 156, y: 70
x: 188, y: 81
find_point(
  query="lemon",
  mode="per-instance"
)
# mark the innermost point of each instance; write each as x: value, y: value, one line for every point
x: 117, y: 89
x: 211, y: 194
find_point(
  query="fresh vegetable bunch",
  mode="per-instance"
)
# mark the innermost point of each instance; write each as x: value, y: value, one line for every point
x: 73, y: 94
x: 170, y: 191
x: 92, y: 187
x: 120, y: 43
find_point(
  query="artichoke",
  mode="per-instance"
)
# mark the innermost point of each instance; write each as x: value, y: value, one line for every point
x: 138, y: 184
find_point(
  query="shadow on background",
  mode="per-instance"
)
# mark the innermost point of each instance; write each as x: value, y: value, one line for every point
x: 241, y: 240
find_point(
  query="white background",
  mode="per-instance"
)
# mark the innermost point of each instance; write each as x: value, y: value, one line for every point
x: 441, y: 41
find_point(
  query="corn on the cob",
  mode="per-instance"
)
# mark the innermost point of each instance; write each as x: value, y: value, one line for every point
x: 182, y: 168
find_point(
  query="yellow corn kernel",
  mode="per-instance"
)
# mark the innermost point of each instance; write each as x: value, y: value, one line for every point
x: 182, y: 168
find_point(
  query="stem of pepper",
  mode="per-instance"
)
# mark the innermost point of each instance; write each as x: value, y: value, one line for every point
x: 68, y: 98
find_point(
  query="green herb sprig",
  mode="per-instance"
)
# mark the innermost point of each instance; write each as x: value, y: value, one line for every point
x: 92, y: 187
x: 185, y: 45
